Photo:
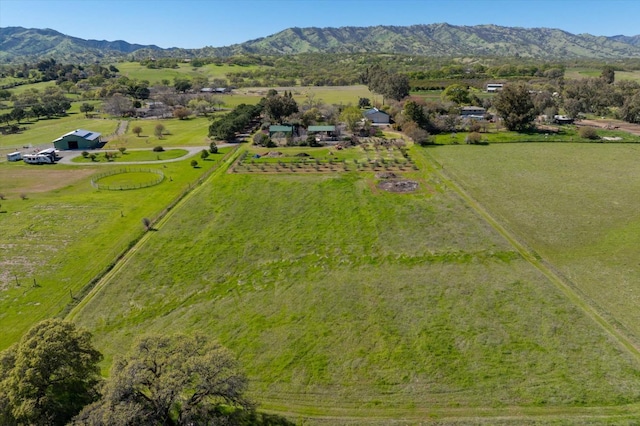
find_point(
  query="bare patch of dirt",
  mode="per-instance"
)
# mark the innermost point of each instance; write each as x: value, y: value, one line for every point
x: 387, y: 175
x: 41, y: 178
x: 399, y: 186
x: 634, y: 129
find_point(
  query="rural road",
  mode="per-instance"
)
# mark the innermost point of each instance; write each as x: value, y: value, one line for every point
x: 68, y: 156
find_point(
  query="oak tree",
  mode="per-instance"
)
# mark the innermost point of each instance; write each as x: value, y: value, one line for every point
x: 49, y: 376
x: 515, y: 105
x: 170, y: 380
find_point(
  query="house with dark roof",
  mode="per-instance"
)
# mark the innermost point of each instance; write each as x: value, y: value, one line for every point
x: 376, y: 116
x: 221, y: 90
x: 473, y: 112
x: 78, y: 139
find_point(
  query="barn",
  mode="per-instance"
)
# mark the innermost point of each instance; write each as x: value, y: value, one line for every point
x: 78, y: 139
x: 376, y: 116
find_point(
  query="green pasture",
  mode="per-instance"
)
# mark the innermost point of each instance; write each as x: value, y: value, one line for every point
x: 38, y: 86
x: 575, y: 205
x: 134, y: 70
x: 332, y: 95
x: 45, y: 131
x: 345, y: 301
x: 567, y: 133
x: 190, y: 132
x: 128, y: 179
x: 131, y: 156
x: 578, y: 73
x: 65, y: 232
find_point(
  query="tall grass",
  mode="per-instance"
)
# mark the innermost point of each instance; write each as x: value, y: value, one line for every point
x: 341, y: 300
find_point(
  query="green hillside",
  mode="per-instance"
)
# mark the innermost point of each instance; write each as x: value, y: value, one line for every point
x: 435, y: 40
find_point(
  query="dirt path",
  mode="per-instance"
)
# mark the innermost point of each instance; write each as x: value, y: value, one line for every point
x: 68, y: 156
x: 120, y: 130
x: 634, y: 129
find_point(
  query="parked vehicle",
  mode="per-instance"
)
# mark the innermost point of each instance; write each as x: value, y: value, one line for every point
x: 14, y: 156
x: 38, y: 159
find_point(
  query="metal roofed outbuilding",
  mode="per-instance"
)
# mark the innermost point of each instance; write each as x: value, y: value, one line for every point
x: 78, y: 139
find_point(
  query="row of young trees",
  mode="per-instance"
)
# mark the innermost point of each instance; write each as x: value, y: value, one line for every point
x: 52, y: 377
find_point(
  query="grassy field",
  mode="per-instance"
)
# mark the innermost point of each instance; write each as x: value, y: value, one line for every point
x: 131, y: 156
x: 583, y: 217
x: 191, y: 132
x: 345, y: 301
x: 134, y: 70
x: 45, y: 131
x: 565, y: 133
x: 578, y: 73
x: 338, y: 95
x: 64, y: 232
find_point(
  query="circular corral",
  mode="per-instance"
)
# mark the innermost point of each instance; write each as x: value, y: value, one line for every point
x: 127, y: 178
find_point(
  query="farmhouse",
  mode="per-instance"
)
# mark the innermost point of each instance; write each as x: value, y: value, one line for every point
x: 329, y: 130
x: 472, y: 112
x: 376, y: 116
x: 221, y: 90
x: 78, y: 139
x: 323, y: 132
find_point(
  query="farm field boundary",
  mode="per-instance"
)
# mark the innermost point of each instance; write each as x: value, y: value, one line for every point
x: 562, y: 283
x: 102, y: 279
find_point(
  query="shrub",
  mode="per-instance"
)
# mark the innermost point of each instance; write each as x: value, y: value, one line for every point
x: 588, y: 133
x: 213, y: 148
x: 122, y: 149
x: 159, y: 130
x: 474, y: 126
x: 194, y: 163
x: 473, y: 138
x: 158, y: 148
x: 85, y: 154
x: 261, y: 139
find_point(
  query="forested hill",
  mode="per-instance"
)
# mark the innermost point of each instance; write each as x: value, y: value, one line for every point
x: 448, y: 40
x: 20, y: 44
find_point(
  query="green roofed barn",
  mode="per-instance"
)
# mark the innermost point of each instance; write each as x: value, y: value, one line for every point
x: 78, y: 139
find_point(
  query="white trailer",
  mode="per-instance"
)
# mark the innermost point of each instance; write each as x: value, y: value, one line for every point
x: 38, y: 159
x: 14, y: 156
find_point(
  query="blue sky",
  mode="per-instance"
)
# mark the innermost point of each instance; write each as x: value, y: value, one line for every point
x: 199, y: 23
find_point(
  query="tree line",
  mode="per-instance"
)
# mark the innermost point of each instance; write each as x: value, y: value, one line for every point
x: 52, y: 377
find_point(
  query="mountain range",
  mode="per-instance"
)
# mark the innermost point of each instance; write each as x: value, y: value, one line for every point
x: 19, y: 44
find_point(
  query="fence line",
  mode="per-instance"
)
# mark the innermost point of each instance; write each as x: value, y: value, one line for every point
x: 95, y: 179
